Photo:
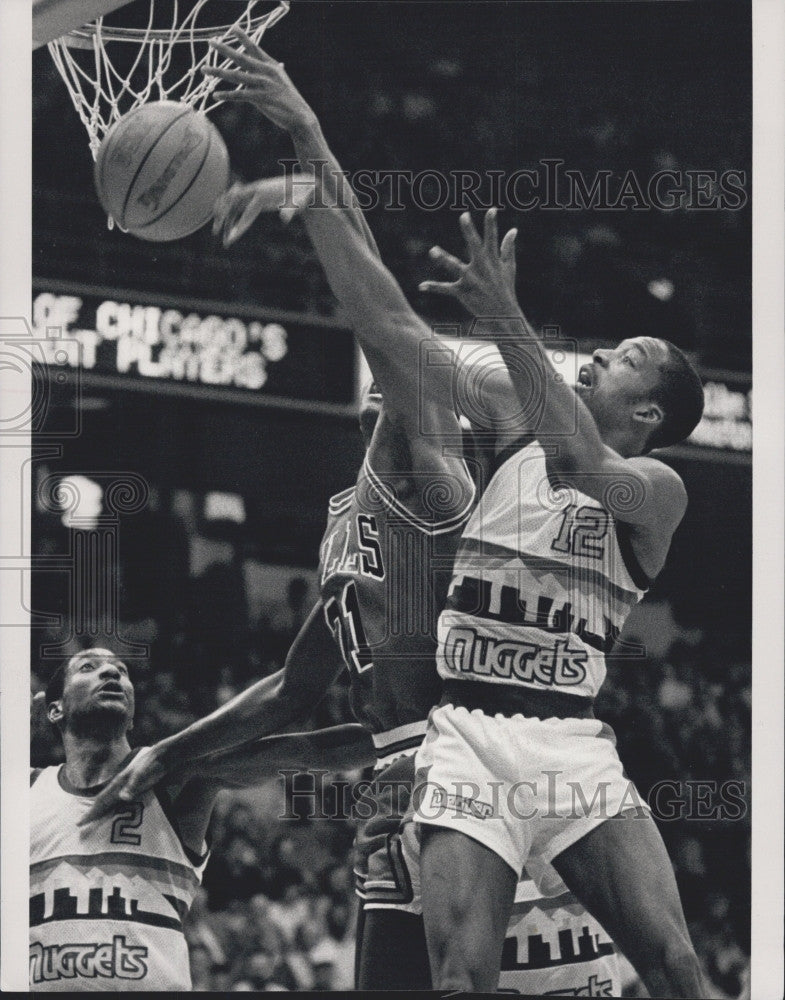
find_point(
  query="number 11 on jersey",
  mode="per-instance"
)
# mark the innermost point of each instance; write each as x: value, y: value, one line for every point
x: 343, y: 618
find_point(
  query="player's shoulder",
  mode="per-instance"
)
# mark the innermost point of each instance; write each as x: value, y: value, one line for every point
x: 434, y: 500
x: 667, y: 485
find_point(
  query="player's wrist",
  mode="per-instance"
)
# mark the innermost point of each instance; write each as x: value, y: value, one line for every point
x: 305, y: 125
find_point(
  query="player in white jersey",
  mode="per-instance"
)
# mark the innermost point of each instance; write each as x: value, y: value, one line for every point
x: 108, y: 898
x: 575, y: 521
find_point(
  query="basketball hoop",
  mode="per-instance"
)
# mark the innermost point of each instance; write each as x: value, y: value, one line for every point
x: 111, y: 68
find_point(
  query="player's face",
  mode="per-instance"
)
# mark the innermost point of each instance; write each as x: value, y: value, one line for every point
x: 617, y: 379
x: 96, y: 686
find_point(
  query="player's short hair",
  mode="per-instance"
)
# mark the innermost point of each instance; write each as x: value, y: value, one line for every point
x: 679, y: 392
x: 56, y: 683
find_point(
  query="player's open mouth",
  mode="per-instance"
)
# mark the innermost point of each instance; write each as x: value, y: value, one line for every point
x: 586, y: 377
x: 113, y: 688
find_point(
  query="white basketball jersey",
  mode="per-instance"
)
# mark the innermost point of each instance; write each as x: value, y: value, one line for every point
x: 543, y: 582
x: 107, y: 900
x: 553, y: 947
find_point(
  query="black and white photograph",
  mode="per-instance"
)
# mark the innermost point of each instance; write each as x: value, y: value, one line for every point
x: 386, y: 549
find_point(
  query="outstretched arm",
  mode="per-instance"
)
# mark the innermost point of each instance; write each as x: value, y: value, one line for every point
x: 640, y: 491
x: 390, y: 333
x: 261, y: 77
x: 268, y: 706
x: 347, y: 747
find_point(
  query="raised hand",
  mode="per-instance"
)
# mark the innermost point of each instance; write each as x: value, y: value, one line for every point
x: 262, y: 81
x: 236, y: 209
x: 485, y: 286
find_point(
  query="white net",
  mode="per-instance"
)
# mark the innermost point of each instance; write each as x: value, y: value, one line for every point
x: 111, y: 69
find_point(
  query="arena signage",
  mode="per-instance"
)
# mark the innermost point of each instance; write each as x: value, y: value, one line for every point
x: 247, y: 352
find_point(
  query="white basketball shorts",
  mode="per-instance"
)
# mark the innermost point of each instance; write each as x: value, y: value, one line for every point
x: 526, y: 788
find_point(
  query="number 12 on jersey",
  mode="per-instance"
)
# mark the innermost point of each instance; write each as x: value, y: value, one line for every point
x: 343, y: 618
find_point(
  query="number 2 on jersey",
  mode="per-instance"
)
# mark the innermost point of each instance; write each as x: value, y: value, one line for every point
x: 343, y: 617
x: 125, y: 823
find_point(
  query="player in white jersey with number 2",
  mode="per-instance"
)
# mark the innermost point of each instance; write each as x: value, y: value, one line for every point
x: 108, y: 898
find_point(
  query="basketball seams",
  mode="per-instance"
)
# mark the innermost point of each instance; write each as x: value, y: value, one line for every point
x: 186, y: 110
x: 184, y: 192
x: 137, y: 168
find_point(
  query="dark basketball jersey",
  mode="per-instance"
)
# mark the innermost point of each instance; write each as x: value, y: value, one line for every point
x: 385, y: 565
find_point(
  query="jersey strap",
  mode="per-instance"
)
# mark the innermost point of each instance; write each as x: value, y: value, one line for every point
x: 341, y: 502
x: 168, y: 807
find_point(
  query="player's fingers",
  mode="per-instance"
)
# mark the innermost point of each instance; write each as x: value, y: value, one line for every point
x: 235, y: 229
x: 105, y: 803
x: 439, y: 287
x: 507, y: 249
x: 243, y: 94
x: 251, y: 45
x: 491, y: 231
x: 230, y: 52
x: 225, y: 204
x: 269, y: 195
x: 470, y: 234
x: 255, y: 61
x: 446, y: 260
x: 232, y: 75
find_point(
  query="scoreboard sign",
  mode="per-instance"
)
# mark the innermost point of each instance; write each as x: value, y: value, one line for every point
x: 189, y: 343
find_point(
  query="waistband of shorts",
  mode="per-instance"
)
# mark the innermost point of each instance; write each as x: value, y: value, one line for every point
x: 509, y: 699
x: 402, y: 739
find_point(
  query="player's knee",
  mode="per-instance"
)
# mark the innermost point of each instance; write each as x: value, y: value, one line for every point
x: 456, y: 944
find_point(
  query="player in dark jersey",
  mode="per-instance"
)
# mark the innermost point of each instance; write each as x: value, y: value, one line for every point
x: 387, y: 553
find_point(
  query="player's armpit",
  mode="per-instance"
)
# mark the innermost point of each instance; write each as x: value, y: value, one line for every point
x: 192, y: 807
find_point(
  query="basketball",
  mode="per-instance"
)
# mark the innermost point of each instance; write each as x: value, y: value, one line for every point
x: 160, y: 169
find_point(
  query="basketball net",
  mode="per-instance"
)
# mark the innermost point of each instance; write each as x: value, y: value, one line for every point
x: 89, y: 58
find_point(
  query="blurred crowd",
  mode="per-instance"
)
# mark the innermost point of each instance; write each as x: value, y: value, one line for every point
x: 277, y: 910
